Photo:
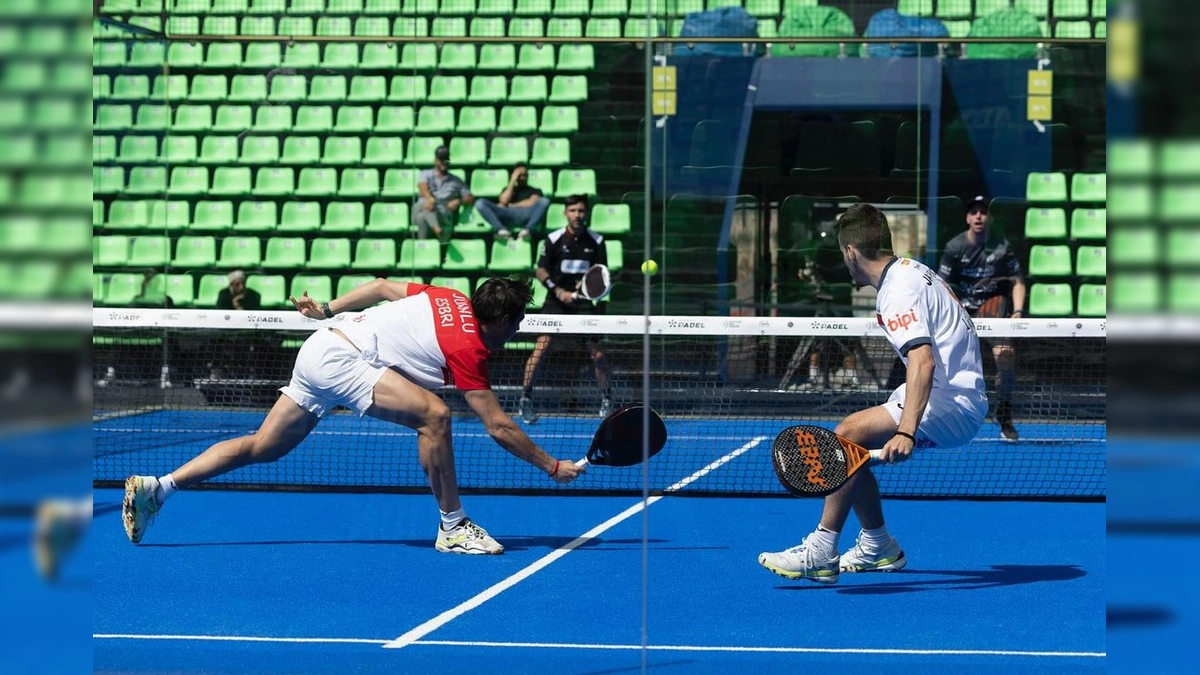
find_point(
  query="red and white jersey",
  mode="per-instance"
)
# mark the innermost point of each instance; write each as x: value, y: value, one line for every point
x: 431, y: 336
x: 916, y: 307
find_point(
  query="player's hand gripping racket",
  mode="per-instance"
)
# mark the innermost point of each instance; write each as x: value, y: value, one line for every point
x: 618, y: 441
x: 813, y: 461
x: 596, y: 283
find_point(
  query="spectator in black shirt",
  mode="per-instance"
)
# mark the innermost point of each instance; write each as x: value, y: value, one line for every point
x: 237, y: 296
x: 565, y: 255
x: 985, y: 273
x: 520, y: 206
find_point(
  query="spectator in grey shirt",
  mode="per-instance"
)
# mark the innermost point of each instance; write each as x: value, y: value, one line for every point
x: 442, y: 193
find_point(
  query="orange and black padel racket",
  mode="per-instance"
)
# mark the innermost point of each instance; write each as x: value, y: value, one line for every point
x: 813, y: 461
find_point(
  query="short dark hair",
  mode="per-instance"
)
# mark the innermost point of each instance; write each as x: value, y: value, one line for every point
x: 577, y: 199
x: 518, y: 165
x: 499, y: 297
x: 865, y: 228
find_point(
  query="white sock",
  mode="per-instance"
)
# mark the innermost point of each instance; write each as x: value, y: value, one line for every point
x: 166, y: 488
x: 824, y: 542
x: 875, y: 538
x: 449, y: 520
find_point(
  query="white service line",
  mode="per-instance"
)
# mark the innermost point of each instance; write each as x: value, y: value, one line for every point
x: 453, y: 613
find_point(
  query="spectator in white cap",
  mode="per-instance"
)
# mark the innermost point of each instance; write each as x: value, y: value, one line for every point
x: 237, y: 296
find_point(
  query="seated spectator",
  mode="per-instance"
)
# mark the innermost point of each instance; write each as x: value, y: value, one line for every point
x: 237, y: 296
x: 442, y: 193
x: 520, y: 207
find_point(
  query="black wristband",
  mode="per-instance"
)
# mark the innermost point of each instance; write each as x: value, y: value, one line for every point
x: 906, y: 435
x: 328, y: 312
x: 548, y: 284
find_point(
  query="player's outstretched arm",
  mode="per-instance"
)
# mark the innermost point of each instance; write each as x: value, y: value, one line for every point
x: 509, y: 436
x: 361, y: 297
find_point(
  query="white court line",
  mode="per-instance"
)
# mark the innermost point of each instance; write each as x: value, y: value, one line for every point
x: 453, y: 613
x: 612, y: 647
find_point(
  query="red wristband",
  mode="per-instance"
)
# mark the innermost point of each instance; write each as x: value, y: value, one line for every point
x: 554, y: 471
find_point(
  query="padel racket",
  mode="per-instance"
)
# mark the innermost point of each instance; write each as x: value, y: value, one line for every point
x: 813, y: 461
x: 618, y: 441
x: 595, y: 284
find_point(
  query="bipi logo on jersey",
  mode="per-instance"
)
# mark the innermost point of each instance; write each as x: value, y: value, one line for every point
x: 902, y: 321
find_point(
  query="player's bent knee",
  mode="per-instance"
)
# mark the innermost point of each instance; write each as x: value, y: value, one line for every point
x: 437, y: 420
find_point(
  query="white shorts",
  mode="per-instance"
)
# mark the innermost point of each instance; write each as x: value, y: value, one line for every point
x: 951, y: 418
x: 330, y: 372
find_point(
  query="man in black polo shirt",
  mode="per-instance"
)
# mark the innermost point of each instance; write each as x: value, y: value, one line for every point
x: 985, y: 272
x: 566, y: 254
x: 521, y: 206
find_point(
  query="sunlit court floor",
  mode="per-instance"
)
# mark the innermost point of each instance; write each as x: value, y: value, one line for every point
x: 279, y: 582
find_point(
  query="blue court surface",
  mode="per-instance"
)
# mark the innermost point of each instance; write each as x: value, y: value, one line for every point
x: 278, y: 582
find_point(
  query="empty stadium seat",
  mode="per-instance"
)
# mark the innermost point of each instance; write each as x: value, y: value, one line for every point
x: 1050, y: 300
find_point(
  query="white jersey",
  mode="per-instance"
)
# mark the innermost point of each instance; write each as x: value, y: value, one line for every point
x: 915, y: 307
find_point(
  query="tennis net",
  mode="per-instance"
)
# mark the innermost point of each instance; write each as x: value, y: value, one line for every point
x: 169, y: 383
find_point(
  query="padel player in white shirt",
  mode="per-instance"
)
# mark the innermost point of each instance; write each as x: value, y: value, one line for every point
x: 941, y: 403
x: 383, y: 363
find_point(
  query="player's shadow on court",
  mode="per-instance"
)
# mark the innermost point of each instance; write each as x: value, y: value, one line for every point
x: 914, y: 581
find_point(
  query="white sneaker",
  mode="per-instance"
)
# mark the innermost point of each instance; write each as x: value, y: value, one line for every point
x: 801, y: 562
x: 887, y: 559
x: 467, y: 537
x: 523, y: 235
x: 503, y: 234
x: 605, y: 407
x: 140, y: 506
x: 527, y: 410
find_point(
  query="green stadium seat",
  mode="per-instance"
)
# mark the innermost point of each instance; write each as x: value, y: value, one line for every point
x: 1046, y: 188
x: 225, y: 25
x: 388, y: 218
x: 240, y: 252
x: 1178, y: 159
x: 1179, y: 202
x: 153, y: 117
x: 1131, y: 201
x: 97, y: 213
x: 395, y: 119
x: 208, y: 88
x: 415, y: 26
x: 616, y: 254
x: 300, y: 217
x: 497, y: 57
x: 333, y: 26
x: 577, y: 57
x: 231, y: 180
x: 317, y: 182
x: 568, y: 89
x: 1137, y: 292
x: 507, y: 151
x: 495, y: 8
x: 509, y: 256
x: 420, y: 255
x: 359, y: 183
x: 610, y: 219
x: 457, y: 7
x: 1183, y: 294
x: 272, y: 289
x: 542, y: 179
x: 954, y: 9
x: 957, y: 29
x: 301, y: 150
x: 248, y: 88
x: 316, y: 285
x: 1091, y: 261
x: 132, y: 87
x: 448, y: 88
x: 1001, y: 20
x: 474, y: 120
x: 421, y: 149
x: 1038, y: 8
x: 368, y: 89
x: 280, y: 181
x: 576, y: 181
x: 526, y: 27
x: 488, y: 182
x: 109, y: 54
x: 218, y: 150
x: 372, y: 27
x: 308, y: 7
x: 1088, y: 224
x: 1183, y: 247
x: 488, y: 89
x: 354, y: 119
x: 1050, y: 300
x: 1135, y: 245
x: 128, y: 215
x: 448, y: 27
x: 349, y: 282
x: 460, y: 284
x: 518, y: 119
x: 535, y: 57
x: 408, y: 88
x: 486, y: 27
x: 114, y: 117
x: 234, y: 119
x: 180, y: 288
x: 551, y: 152
x: 122, y: 289
x: 134, y: 150
x: 193, y: 118
x: 147, y: 180
x: 195, y: 253
x: 1070, y: 9
x: 465, y: 255
x: 329, y: 254
x: 284, y: 253
x: 400, y: 183
x: 326, y: 89
x: 377, y: 56
x: 223, y: 55
x: 435, y: 119
x: 601, y: 28
x: 169, y: 215
x: 564, y: 28
x: 111, y: 251
x: 189, y: 180
x: 641, y: 28
x: 1073, y: 29
x: 344, y: 56
x: 374, y: 254
x: 101, y: 89
x: 262, y: 55
x: 148, y: 55
x: 213, y: 216
x: 257, y: 216
x: 532, y: 8
x: 1089, y: 187
x: 1045, y: 223
x: 468, y: 151
x: 170, y: 88
x: 1093, y: 300
x: 415, y: 57
x: 344, y: 218
x: 1049, y: 260
x: 340, y: 150
x: 210, y: 287
x: 275, y: 119
x: 383, y: 150
x: 260, y: 150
